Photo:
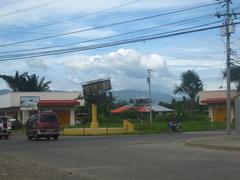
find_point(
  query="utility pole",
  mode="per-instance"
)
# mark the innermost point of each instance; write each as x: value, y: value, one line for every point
x: 227, y: 30
x: 228, y: 54
x: 150, y: 94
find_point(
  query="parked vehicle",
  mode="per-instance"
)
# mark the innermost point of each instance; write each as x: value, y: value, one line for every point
x: 5, y: 127
x: 15, y: 124
x: 43, y: 124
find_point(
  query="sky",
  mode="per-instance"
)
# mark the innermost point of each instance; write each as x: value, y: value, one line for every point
x: 126, y: 64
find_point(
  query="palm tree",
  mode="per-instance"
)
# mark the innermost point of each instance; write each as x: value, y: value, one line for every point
x: 190, y: 85
x: 15, y: 82
x: 234, y: 75
x: 36, y: 84
x: 24, y: 82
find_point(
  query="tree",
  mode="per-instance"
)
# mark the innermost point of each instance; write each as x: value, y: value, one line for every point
x: 15, y: 82
x: 33, y: 83
x: 190, y: 85
x: 234, y: 75
x: 25, y: 82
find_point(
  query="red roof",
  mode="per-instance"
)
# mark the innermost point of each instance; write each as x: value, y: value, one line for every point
x: 125, y: 108
x: 214, y: 101
x: 143, y: 109
x: 121, y: 109
x: 58, y: 102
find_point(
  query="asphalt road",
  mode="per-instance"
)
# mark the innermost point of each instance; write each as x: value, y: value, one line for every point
x: 131, y: 157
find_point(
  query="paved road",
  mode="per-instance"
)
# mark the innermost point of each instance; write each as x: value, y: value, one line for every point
x: 132, y: 157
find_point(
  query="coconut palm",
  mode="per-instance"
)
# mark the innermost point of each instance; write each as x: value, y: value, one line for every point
x: 25, y: 82
x: 15, y: 82
x: 234, y: 75
x: 190, y: 85
x: 33, y: 83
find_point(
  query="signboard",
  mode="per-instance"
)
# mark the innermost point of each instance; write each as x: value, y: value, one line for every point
x: 96, y: 87
x: 29, y: 102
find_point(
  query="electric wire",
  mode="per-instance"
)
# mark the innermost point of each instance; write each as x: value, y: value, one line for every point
x: 108, y: 25
x: 50, y: 2
x: 85, y: 15
x: 11, y: 3
x: 181, y: 22
x: 110, y: 44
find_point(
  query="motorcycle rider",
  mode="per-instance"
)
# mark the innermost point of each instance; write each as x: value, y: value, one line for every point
x: 174, y: 124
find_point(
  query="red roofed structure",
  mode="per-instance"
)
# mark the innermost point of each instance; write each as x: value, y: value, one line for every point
x: 216, y: 102
x: 141, y: 108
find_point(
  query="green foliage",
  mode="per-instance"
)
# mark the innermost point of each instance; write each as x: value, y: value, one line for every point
x: 157, y: 127
x: 25, y: 82
x: 234, y: 75
x: 202, y: 125
x: 190, y: 85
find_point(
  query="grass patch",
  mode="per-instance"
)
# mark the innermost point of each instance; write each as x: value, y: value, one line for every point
x: 158, y: 127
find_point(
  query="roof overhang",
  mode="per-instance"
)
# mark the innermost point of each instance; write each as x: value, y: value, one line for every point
x: 57, y: 103
x: 215, y: 101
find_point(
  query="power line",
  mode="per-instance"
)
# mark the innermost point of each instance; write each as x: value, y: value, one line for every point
x: 86, y: 15
x: 94, y: 13
x: 109, y: 44
x: 9, y: 4
x: 181, y: 22
x: 108, y: 25
x: 31, y: 8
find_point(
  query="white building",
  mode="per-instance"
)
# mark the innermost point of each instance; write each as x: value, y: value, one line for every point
x: 21, y: 105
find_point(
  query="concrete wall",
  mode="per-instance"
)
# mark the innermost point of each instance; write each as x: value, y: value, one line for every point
x: 5, y: 100
x: 13, y: 99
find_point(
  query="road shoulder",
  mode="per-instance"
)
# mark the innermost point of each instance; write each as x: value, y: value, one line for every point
x: 16, y: 168
x: 220, y: 142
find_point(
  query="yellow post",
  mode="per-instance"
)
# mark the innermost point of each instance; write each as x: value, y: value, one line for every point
x: 127, y: 125
x: 94, y: 123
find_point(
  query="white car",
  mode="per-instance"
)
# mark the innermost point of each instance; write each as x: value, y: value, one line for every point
x: 5, y: 127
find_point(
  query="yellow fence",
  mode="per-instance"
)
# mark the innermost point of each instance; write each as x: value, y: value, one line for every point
x: 127, y: 128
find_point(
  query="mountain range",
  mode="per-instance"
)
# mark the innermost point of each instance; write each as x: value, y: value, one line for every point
x: 4, y: 91
x: 125, y: 95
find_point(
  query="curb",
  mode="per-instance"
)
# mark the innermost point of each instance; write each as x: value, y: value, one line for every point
x: 213, y: 147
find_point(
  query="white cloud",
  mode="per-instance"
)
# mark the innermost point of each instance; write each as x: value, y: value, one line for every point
x: 37, y: 64
x: 126, y: 62
x: 126, y: 67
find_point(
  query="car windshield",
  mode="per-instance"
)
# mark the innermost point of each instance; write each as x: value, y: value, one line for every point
x: 48, y: 118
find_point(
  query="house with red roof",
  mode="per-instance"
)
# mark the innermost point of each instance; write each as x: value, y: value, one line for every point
x: 216, y: 102
x: 21, y: 105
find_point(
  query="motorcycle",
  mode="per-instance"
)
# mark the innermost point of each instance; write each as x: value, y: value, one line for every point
x: 175, y: 126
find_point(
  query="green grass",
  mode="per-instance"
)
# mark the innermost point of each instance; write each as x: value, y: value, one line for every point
x: 203, y: 125
x: 187, y: 126
x: 158, y: 127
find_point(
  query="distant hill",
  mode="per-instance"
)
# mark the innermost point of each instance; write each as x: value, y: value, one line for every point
x: 125, y: 95
x: 4, y: 91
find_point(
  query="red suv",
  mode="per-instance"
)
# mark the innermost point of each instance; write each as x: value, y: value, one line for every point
x: 43, y: 124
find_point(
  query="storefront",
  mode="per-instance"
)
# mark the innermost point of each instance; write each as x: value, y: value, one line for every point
x: 216, y: 102
x: 21, y: 105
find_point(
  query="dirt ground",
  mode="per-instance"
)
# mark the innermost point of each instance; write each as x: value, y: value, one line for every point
x: 12, y: 168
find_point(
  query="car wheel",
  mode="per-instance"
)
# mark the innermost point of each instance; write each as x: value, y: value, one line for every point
x: 29, y: 138
x: 48, y: 138
x: 55, y: 137
x: 36, y: 136
x: 6, y: 137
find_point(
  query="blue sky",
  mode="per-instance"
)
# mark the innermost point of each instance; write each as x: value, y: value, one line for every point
x: 126, y: 65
